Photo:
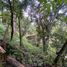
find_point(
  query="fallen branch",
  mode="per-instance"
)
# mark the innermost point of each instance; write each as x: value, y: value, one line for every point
x: 13, y: 62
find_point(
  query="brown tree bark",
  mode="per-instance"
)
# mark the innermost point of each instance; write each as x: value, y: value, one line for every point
x: 13, y: 62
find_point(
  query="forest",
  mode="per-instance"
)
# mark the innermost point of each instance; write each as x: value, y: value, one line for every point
x: 33, y: 33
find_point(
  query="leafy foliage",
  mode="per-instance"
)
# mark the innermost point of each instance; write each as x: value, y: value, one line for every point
x: 39, y: 37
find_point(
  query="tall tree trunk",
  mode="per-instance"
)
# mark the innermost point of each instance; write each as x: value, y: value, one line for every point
x: 11, y: 11
x: 2, y: 14
x: 20, y: 36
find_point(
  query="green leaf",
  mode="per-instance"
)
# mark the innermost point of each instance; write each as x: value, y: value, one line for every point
x: 43, y: 1
x: 65, y: 1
